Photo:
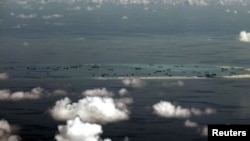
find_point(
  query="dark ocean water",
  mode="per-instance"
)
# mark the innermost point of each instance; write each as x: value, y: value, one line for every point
x: 76, y: 64
x: 188, y: 55
x: 229, y: 97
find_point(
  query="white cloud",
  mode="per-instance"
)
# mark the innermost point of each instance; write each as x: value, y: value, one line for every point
x: 209, y: 111
x: 27, y: 4
x: 4, y: 76
x: 60, y: 24
x: 77, y: 130
x: 25, y: 44
x: 133, y: 82
x: 90, y: 109
x: 53, y: 16
x: 19, y: 26
x: 244, y: 36
x: 98, y: 6
x: 97, y: 92
x: 21, y: 2
x: 126, y: 139
x: 189, y: 123
x: 35, y: 93
x: 168, y: 110
x: 203, y: 131
x: 233, y: 2
x: 22, y: 16
x: 197, y: 3
x: 89, y: 8
x: 40, y: 8
x: 43, y: 2
x: 4, y: 94
x: 123, y: 92
x: 198, y: 112
x: 235, y: 12
x: 6, y: 132
x: 124, y: 17
x: 77, y: 8
x: 164, y: 2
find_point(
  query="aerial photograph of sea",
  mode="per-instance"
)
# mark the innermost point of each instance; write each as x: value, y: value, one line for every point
x: 122, y: 70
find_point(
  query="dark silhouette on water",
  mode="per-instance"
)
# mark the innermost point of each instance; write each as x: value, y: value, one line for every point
x: 116, y: 70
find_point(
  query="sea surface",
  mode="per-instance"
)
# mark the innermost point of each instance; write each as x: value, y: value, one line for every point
x: 189, y: 56
x: 228, y: 96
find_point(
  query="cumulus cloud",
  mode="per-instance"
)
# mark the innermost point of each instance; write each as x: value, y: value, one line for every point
x: 12, y: 14
x: 133, y: 82
x: 91, y: 109
x: 189, y: 123
x: 25, y: 44
x: 97, y: 3
x: 244, y: 36
x: 203, y: 131
x: 197, y: 2
x: 124, y: 17
x: 35, y: 93
x: 60, y: 24
x: 97, y: 92
x: 126, y: 139
x: 233, y: 2
x: 21, y: 2
x: 77, y: 130
x: 53, y: 16
x: 123, y: 92
x: 89, y: 8
x: 77, y: 8
x: 198, y: 112
x: 4, y: 76
x: 6, y: 132
x: 235, y: 12
x: 168, y: 110
x: 22, y: 16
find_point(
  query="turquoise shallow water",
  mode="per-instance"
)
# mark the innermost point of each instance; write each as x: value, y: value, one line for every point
x: 121, y: 71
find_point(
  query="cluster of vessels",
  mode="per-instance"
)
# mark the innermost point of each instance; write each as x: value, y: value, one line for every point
x: 116, y: 71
